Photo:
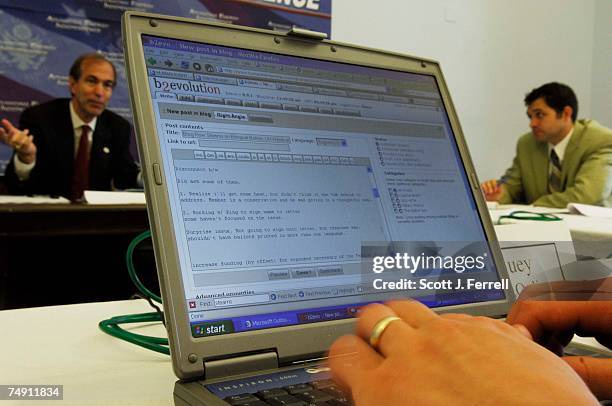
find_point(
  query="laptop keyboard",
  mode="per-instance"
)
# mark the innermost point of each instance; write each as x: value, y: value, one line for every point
x: 318, y: 393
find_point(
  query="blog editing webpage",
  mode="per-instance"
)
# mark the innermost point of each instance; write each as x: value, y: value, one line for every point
x: 283, y: 173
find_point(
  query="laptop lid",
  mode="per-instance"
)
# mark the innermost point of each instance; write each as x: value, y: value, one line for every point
x: 273, y: 164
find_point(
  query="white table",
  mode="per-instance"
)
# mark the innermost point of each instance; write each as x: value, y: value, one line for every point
x: 592, y: 236
x: 63, y: 345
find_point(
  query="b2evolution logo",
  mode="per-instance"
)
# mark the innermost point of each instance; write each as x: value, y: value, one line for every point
x: 174, y: 85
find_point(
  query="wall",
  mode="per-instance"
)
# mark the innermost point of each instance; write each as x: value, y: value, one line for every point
x: 602, y: 63
x: 492, y: 53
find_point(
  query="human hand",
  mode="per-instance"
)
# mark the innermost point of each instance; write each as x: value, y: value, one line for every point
x: 492, y: 190
x: 21, y: 141
x: 553, y: 323
x: 425, y: 358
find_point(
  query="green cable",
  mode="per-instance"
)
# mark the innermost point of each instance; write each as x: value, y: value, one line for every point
x: 132, y: 270
x: 527, y: 215
x: 111, y: 326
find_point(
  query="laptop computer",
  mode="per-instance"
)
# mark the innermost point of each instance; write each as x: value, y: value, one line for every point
x: 273, y: 164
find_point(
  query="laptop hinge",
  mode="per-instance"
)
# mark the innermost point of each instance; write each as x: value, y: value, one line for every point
x: 242, y: 364
x: 304, y: 33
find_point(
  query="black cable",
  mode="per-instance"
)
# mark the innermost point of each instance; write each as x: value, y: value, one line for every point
x: 152, y: 304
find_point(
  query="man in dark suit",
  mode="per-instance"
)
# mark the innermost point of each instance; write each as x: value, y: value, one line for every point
x: 68, y: 145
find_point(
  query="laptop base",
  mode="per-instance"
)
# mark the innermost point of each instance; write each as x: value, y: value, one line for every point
x: 311, y: 385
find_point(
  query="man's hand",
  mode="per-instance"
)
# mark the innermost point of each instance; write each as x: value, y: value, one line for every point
x: 492, y: 190
x: 20, y: 141
x: 425, y: 358
x: 553, y: 324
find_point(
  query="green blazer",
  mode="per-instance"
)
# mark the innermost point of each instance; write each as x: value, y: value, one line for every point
x: 586, y: 171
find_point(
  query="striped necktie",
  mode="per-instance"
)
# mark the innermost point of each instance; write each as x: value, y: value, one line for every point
x: 554, y: 176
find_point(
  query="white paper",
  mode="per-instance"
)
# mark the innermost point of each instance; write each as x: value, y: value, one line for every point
x: 99, y: 197
x: 533, y: 231
x: 9, y: 199
x: 589, y: 210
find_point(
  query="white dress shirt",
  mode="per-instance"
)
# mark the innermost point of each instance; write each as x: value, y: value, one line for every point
x: 561, y: 146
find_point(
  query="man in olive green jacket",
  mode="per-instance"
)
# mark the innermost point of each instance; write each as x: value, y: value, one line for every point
x: 562, y: 160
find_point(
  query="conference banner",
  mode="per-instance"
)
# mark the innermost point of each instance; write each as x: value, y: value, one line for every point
x: 39, y: 40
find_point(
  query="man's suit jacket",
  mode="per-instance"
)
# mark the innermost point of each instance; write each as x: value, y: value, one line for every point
x: 586, y: 171
x: 111, y: 165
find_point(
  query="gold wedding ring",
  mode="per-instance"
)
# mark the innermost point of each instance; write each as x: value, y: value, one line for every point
x: 379, y: 329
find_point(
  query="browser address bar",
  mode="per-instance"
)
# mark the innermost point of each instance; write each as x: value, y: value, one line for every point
x: 272, y: 76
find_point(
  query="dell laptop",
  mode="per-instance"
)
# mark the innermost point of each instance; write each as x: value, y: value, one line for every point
x: 274, y: 164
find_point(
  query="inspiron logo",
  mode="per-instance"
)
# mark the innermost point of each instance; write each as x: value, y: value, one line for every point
x: 317, y: 370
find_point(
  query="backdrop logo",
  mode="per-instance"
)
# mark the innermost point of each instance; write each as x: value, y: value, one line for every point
x: 22, y: 49
x: 304, y: 4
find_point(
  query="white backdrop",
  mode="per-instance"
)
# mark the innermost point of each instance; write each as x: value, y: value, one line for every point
x: 493, y: 52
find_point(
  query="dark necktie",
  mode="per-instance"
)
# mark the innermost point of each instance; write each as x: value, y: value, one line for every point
x: 80, y: 177
x: 554, y: 177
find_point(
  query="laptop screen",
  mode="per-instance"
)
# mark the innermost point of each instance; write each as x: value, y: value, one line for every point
x: 281, y: 169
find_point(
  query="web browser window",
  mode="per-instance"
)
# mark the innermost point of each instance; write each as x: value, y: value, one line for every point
x: 279, y: 168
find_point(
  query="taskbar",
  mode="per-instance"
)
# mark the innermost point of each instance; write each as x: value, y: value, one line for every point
x: 329, y: 313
